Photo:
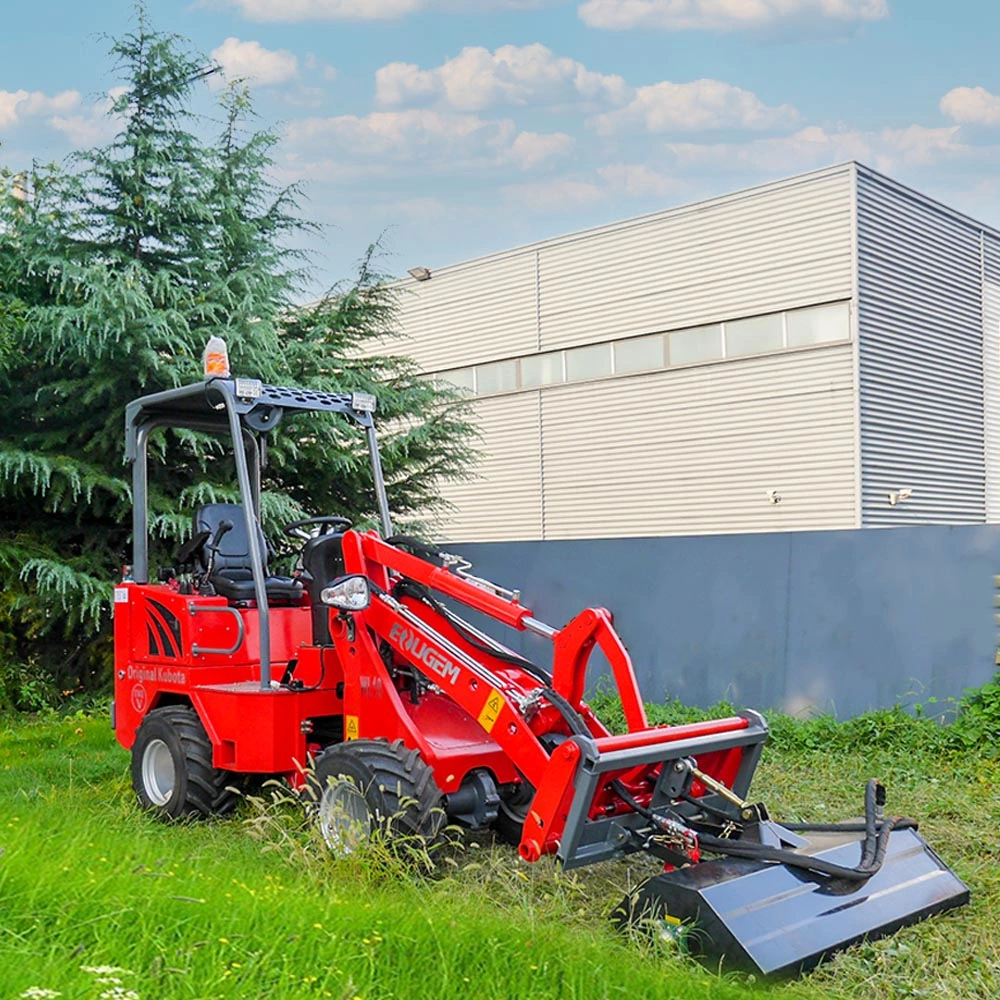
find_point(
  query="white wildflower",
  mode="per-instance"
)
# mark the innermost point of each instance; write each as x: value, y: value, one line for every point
x: 119, y: 993
x: 40, y: 993
x: 103, y: 970
x: 108, y: 981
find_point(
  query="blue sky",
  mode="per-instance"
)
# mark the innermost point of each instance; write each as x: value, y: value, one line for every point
x: 461, y: 127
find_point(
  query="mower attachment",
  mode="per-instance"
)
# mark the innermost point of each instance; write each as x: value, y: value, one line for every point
x: 770, y: 918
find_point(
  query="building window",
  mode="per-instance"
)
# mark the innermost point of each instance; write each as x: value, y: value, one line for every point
x: 758, y: 335
x: 639, y: 354
x: 588, y: 362
x: 774, y: 332
x: 818, y: 325
x: 499, y: 376
x: 460, y: 378
x: 699, y: 343
x: 541, y: 369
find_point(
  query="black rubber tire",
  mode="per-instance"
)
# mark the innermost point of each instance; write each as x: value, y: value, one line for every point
x: 512, y: 813
x: 199, y: 790
x: 515, y: 804
x: 404, y: 802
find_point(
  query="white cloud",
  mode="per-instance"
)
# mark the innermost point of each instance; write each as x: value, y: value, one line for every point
x: 251, y: 61
x: 512, y: 75
x: 440, y: 141
x: 971, y: 106
x: 316, y: 65
x: 811, y: 147
x: 635, y: 180
x: 404, y: 134
x: 530, y: 149
x: 366, y: 10
x: 91, y: 125
x: 553, y: 196
x: 724, y: 15
x: 700, y: 104
x: 616, y: 180
x: 15, y: 105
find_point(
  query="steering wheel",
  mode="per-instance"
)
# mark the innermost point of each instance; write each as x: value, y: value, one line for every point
x: 325, y: 525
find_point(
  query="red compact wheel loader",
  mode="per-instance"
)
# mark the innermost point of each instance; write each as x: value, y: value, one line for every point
x: 412, y: 716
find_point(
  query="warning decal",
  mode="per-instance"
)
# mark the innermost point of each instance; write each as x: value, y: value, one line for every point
x: 491, y: 710
x: 351, y: 729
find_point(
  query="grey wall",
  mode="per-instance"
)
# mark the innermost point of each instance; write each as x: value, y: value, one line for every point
x: 839, y: 621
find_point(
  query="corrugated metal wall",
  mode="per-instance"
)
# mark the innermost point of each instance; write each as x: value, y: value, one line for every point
x: 991, y: 372
x: 921, y: 358
x: 686, y: 450
x: 475, y: 312
x: 763, y: 250
x: 504, y: 500
x: 695, y: 451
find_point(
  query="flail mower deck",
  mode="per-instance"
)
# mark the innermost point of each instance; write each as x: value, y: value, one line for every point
x: 413, y: 716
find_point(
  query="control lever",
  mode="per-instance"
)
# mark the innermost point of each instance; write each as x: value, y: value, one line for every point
x: 213, y: 546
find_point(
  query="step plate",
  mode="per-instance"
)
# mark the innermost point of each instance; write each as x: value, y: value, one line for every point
x: 776, y: 920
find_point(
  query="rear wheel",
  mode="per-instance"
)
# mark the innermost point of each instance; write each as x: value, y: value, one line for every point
x: 172, y: 771
x: 372, y: 786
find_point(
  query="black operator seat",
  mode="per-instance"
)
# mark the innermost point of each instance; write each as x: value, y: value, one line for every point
x: 232, y: 574
x: 323, y: 561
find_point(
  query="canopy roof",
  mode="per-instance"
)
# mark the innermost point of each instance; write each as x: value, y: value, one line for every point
x: 260, y: 406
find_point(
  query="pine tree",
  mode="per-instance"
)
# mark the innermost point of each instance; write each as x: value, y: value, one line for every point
x: 113, y: 275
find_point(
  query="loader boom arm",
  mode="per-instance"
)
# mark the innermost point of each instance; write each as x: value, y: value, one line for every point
x: 544, y: 726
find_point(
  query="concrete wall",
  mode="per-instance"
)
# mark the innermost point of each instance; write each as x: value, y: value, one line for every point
x: 840, y: 621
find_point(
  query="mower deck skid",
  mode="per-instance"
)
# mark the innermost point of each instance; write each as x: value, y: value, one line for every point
x: 772, y: 919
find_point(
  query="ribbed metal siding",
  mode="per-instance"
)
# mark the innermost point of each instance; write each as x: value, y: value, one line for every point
x: 504, y: 500
x: 921, y: 359
x: 473, y: 313
x: 696, y: 450
x: 766, y: 249
x: 991, y: 372
x: 763, y: 252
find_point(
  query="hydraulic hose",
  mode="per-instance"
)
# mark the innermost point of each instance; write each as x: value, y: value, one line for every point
x: 422, y: 593
x: 872, y: 856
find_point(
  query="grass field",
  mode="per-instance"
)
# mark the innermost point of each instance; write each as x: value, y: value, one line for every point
x: 243, y: 908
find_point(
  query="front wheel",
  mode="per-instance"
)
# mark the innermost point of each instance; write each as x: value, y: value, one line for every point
x: 369, y: 787
x: 172, y: 771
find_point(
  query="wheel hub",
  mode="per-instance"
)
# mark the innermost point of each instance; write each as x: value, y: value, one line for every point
x: 344, y: 817
x: 159, y: 775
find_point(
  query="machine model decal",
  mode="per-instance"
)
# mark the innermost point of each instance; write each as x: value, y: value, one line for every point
x: 418, y: 648
x: 160, y: 619
x: 156, y: 675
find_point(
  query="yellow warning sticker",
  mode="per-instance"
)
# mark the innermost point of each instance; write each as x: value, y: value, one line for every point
x: 351, y: 731
x: 491, y: 710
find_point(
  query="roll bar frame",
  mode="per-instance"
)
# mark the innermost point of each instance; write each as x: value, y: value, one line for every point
x: 241, y: 409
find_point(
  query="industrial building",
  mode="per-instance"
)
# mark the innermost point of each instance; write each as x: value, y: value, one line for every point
x: 818, y: 353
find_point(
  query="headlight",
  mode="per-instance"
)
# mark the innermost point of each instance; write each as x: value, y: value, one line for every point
x: 349, y: 593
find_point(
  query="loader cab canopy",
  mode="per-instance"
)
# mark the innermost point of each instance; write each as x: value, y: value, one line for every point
x: 245, y: 410
x: 259, y: 407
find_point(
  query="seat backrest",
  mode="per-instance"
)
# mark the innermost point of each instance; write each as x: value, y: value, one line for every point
x: 234, y: 549
x: 323, y: 560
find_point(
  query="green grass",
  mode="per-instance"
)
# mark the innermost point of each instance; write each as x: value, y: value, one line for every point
x: 245, y: 909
